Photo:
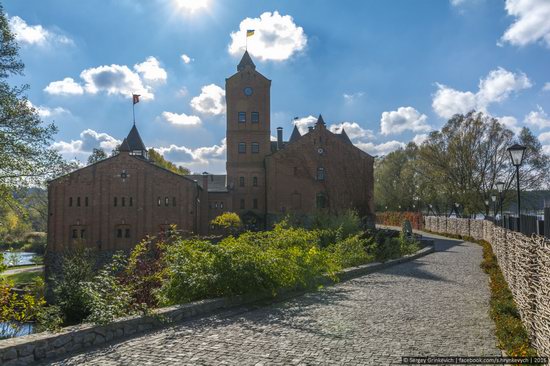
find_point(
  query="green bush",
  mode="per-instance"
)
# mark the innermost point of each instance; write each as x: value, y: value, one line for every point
x: 253, y: 262
x: 351, y: 252
x: 407, y: 245
x: 347, y: 223
x: 70, y: 295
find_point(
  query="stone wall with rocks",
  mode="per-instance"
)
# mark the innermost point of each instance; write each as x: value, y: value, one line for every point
x: 525, y: 264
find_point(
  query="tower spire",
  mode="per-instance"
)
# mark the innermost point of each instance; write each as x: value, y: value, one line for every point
x: 246, y: 60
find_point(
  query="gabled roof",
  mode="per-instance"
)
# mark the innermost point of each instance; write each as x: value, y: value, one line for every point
x: 246, y: 61
x: 134, y: 140
x: 320, y: 121
x: 124, y: 146
x: 216, y: 182
x: 344, y: 136
x: 295, y: 134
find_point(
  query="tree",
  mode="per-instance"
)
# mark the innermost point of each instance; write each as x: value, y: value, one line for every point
x: 26, y: 157
x: 159, y: 160
x: 96, y: 155
x: 228, y: 222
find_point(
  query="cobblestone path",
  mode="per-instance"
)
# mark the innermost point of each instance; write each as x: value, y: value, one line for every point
x: 435, y: 305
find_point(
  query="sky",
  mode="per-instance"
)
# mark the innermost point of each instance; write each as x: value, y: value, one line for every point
x: 389, y: 72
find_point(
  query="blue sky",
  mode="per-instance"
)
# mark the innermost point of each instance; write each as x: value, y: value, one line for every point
x: 387, y: 71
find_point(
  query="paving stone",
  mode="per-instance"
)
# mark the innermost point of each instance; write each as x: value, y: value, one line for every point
x: 434, y: 306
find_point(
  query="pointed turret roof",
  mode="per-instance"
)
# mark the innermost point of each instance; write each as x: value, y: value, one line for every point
x: 295, y: 134
x: 124, y: 146
x: 134, y: 140
x: 344, y: 136
x: 320, y: 121
x: 246, y: 61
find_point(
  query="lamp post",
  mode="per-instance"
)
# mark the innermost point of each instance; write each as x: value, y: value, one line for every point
x: 494, y: 199
x: 517, y: 153
x: 486, y: 208
x: 430, y: 206
x: 457, y: 205
x: 500, y: 188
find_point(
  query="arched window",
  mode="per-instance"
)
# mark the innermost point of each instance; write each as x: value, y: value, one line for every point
x: 320, y: 173
x: 321, y: 200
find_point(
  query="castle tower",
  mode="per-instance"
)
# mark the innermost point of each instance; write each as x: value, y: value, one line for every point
x: 247, y: 95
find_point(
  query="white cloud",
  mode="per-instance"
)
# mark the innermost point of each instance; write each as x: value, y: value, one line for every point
x: 210, y: 101
x: 420, y: 138
x: 380, y: 149
x: 66, y: 86
x: 496, y: 87
x: 510, y: 123
x: 304, y: 122
x: 544, y: 139
x: 353, y: 130
x: 350, y: 98
x: 531, y: 23
x: 89, y: 139
x: 115, y: 79
x: 546, y: 86
x: 190, y: 6
x: 150, y: 70
x: 47, y: 112
x: 405, y: 118
x: 538, y: 118
x: 276, y: 37
x: 34, y: 34
x: 186, y: 59
x: 181, y: 119
x: 202, y: 155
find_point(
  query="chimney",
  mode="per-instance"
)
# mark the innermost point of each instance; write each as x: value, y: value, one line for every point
x: 205, y: 181
x: 279, y: 138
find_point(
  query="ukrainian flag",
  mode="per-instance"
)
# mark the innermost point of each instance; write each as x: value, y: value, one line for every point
x: 250, y: 32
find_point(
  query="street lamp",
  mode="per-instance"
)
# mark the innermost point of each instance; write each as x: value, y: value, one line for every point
x: 494, y: 199
x: 517, y: 153
x: 457, y: 205
x: 486, y: 207
x: 500, y: 188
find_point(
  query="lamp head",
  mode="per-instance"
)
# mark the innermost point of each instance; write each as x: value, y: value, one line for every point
x: 457, y: 204
x: 517, y: 153
x: 487, y: 202
x: 494, y: 198
x: 500, y: 186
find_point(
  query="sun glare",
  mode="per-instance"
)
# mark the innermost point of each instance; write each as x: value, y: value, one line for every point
x: 190, y: 6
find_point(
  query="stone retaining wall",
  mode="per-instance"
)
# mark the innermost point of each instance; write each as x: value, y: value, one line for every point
x: 38, y: 347
x: 525, y: 264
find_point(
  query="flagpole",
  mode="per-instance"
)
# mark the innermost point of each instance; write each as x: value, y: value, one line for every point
x: 134, y: 110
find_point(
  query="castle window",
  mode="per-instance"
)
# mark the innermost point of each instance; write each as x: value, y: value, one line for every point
x: 158, y: 201
x: 221, y: 205
x: 166, y: 201
x: 123, y: 201
x: 320, y: 173
x: 216, y: 204
x: 255, y: 117
x: 321, y: 200
x: 127, y: 233
x: 242, y: 148
x: 86, y: 201
x: 241, y: 181
x: 70, y: 202
x: 255, y: 203
x: 174, y: 201
x: 77, y: 201
x: 119, y: 233
x: 115, y: 201
x: 75, y: 234
x: 82, y: 233
x: 242, y: 203
x: 255, y: 181
x: 242, y: 117
x: 131, y: 201
x: 255, y: 147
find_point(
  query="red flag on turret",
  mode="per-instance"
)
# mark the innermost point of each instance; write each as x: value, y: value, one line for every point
x: 136, y: 98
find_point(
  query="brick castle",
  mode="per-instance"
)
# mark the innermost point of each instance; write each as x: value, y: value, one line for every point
x: 114, y: 203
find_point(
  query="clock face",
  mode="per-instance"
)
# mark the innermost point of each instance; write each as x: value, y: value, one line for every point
x: 320, y: 150
x: 248, y: 91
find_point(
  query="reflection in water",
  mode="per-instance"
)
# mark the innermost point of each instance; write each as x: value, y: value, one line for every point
x: 20, y: 258
x: 7, y: 330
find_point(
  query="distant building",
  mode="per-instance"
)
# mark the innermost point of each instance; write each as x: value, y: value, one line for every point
x: 114, y: 203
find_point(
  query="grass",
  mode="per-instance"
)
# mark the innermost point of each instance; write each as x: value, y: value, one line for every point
x: 510, y: 332
x: 23, y: 277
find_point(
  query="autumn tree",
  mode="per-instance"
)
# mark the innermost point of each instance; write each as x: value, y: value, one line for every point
x: 159, y: 160
x: 26, y: 157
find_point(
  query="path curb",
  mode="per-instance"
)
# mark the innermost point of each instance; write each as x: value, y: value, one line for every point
x: 40, y: 347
